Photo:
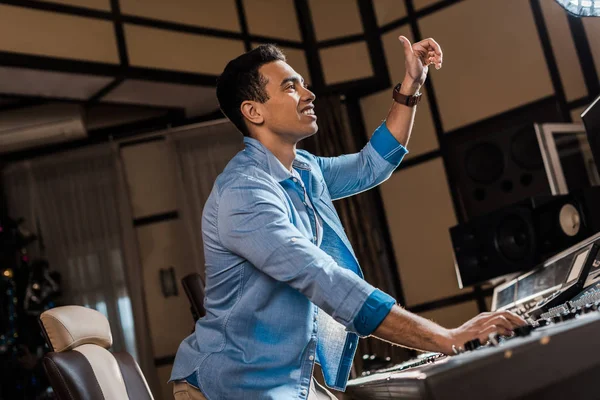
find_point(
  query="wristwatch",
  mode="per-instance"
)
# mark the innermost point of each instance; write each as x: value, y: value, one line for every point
x: 409, y: 101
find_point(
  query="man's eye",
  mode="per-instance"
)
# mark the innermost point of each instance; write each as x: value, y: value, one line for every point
x: 291, y: 87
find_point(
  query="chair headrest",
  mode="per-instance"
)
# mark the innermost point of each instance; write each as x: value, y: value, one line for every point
x: 72, y: 326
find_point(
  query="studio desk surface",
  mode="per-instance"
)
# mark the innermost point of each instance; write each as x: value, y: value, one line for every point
x: 560, y: 360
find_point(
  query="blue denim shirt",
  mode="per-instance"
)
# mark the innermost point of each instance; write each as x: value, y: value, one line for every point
x: 275, y: 301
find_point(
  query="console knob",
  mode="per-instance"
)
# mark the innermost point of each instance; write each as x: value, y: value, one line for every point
x: 472, y: 344
x: 524, y: 330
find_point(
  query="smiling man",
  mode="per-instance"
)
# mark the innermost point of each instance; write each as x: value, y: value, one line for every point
x: 283, y: 287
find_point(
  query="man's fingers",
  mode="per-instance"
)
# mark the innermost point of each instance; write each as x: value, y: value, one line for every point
x: 431, y: 45
x: 513, y: 318
x: 501, y: 323
x: 484, y: 334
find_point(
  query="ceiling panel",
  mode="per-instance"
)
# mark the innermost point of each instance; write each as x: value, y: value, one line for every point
x: 57, y: 35
x: 196, y: 100
x: 103, y: 5
x: 347, y: 18
x: 336, y: 65
x: 220, y: 14
x: 272, y: 18
x: 160, y: 48
x: 38, y: 83
x: 389, y: 10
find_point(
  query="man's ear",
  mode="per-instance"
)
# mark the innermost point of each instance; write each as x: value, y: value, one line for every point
x: 251, y: 110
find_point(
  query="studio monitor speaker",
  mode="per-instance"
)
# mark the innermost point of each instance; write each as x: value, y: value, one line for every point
x: 522, y: 235
x: 498, y: 162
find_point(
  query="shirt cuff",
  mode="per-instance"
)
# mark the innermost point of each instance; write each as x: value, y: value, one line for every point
x: 387, y: 146
x: 373, y: 312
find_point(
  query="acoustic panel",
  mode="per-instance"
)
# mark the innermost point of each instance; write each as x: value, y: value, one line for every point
x: 387, y: 11
x: 220, y: 14
x: 344, y: 15
x: 103, y: 5
x: 564, y: 50
x: 490, y: 66
x: 57, y: 35
x: 419, y: 212
x: 346, y: 62
x: 420, y: 4
x: 163, y: 49
x: 276, y: 19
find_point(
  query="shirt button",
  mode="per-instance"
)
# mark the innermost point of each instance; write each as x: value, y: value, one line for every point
x: 294, y: 239
x: 295, y: 180
x: 304, y: 203
x: 303, y: 392
x: 315, y: 238
x: 311, y: 357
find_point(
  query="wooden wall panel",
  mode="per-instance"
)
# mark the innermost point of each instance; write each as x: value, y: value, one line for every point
x: 150, y: 178
x: 419, y: 213
x: 490, y: 66
x: 564, y: 51
x: 162, y: 245
x: 57, y: 35
x: 276, y: 19
x: 220, y: 14
x: 163, y: 49
x: 335, y: 18
x: 346, y: 62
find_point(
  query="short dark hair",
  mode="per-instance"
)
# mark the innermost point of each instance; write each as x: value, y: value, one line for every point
x: 241, y: 81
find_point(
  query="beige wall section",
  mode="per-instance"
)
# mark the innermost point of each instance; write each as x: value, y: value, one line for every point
x: 149, y: 174
x: 452, y: 316
x: 388, y: 10
x: 419, y: 4
x: 220, y: 14
x: 419, y: 213
x: 166, y: 393
x: 159, y: 48
x: 103, y: 5
x: 346, y: 62
x: 272, y: 18
x: 57, y: 35
x: 163, y: 245
x: 592, y: 29
x: 564, y: 51
x: 483, y: 59
x: 335, y: 18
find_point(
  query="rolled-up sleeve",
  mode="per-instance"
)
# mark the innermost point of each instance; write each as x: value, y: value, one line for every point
x: 350, y: 174
x: 374, y: 310
x: 253, y: 222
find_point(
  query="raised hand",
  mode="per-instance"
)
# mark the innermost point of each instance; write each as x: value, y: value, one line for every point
x: 418, y: 57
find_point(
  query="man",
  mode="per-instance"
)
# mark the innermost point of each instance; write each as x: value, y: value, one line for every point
x: 283, y: 288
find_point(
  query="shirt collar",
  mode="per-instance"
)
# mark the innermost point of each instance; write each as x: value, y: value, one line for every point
x: 268, y: 160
